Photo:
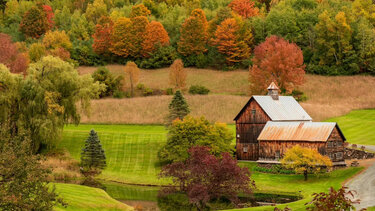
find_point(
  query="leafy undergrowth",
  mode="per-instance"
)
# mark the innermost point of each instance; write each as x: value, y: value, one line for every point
x: 358, y: 126
x: 80, y: 197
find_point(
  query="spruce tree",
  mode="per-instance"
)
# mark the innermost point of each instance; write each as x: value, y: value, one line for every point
x: 178, y: 108
x: 92, y: 156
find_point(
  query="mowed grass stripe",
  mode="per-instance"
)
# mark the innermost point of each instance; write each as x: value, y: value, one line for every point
x: 358, y: 126
x: 131, y: 157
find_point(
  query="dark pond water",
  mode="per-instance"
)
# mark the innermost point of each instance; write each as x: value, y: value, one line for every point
x: 146, y: 198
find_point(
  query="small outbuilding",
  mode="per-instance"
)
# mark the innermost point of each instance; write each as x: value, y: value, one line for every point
x: 269, y: 125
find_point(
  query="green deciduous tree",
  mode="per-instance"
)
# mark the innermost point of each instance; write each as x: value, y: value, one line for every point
x: 183, y: 134
x: 104, y: 76
x: 178, y: 108
x: 305, y: 160
x: 96, y: 10
x: 93, y: 159
x: 36, y: 51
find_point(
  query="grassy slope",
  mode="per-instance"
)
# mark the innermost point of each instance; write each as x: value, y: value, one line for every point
x: 358, y: 126
x: 81, y: 197
x: 131, y: 152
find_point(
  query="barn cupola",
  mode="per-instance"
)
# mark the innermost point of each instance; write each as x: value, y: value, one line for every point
x: 273, y: 91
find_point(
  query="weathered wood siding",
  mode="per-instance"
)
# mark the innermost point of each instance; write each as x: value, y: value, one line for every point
x: 274, y: 150
x: 248, y: 127
x: 335, y: 146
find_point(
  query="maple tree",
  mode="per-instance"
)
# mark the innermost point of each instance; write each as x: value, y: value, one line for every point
x: 137, y: 32
x: 34, y: 23
x: 10, y: 56
x: 177, y: 74
x: 154, y: 36
x: 49, y: 14
x: 276, y: 60
x: 230, y: 42
x: 204, y: 177
x: 132, y: 70
x: 121, y: 37
x: 139, y: 10
x: 334, y: 200
x: 102, y: 36
x: 194, y: 34
x: 245, y: 8
x: 57, y: 39
x: 305, y: 160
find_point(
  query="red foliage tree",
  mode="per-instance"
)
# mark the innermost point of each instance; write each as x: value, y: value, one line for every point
x: 333, y: 201
x: 9, y: 56
x: 155, y: 34
x: 49, y: 14
x: 204, y: 177
x: 34, y: 23
x: 194, y: 34
x: 102, y: 36
x: 276, y: 60
x: 245, y: 8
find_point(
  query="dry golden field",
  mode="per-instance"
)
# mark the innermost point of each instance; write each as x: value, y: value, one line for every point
x: 327, y: 96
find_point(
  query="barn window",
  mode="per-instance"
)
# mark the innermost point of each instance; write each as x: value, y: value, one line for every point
x: 339, y: 144
x: 330, y: 155
x: 339, y: 155
x: 244, y: 149
x: 329, y: 144
x: 277, y: 155
x: 253, y: 111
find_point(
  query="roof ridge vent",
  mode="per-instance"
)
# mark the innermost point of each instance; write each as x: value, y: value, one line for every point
x: 273, y: 91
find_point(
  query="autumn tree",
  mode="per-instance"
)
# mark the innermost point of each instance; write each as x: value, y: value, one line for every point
x: 276, y: 60
x: 49, y: 15
x: 232, y: 42
x: 96, y: 10
x: 34, y: 23
x: 58, y: 44
x: 334, y: 200
x: 102, y: 36
x: 137, y: 33
x: 139, y: 10
x: 154, y: 36
x: 132, y: 70
x: 194, y: 34
x: 305, y: 160
x: 121, y: 37
x: 204, y: 177
x: 245, y: 8
x: 177, y: 74
x: 10, y: 56
x: 365, y: 44
x: 36, y: 51
x: 189, y: 131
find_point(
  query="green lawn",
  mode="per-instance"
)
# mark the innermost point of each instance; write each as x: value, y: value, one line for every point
x: 81, y: 197
x: 358, y: 126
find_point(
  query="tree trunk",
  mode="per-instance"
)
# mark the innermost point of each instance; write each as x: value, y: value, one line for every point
x: 305, y: 174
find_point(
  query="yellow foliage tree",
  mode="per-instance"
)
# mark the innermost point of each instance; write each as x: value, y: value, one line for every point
x: 305, y: 160
x: 177, y: 74
x: 57, y: 39
x: 132, y: 70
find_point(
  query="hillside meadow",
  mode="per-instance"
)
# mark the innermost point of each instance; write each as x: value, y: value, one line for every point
x: 328, y: 96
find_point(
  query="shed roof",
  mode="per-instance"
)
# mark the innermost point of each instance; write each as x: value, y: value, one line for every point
x: 286, y: 108
x: 298, y: 131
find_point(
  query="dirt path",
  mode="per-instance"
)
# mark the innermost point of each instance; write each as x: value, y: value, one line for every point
x: 364, y: 184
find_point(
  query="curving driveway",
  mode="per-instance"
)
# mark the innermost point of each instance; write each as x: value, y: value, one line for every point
x: 364, y: 185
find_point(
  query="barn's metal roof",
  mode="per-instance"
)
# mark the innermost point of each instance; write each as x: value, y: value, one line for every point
x: 298, y: 131
x: 286, y: 108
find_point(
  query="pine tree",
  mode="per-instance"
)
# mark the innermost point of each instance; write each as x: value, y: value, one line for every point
x: 92, y: 155
x: 178, y: 108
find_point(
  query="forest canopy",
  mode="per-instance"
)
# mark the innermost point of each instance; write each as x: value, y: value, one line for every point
x: 336, y: 36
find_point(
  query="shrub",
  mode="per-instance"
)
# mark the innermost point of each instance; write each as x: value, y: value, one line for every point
x: 140, y: 86
x: 197, y: 89
x: 299, y: 95
x: 169, y: 91
x: 119, y: 94
x: 273, y: 169
x: 148, y: 91
x: 83, y: 53
x: 162, y: 57
x: 104, y: 76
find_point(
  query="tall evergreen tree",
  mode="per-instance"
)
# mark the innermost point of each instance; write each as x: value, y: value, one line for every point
x: 178, y: 108
x: 92, y: 155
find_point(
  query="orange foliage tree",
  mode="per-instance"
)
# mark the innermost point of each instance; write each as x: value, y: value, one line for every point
x: 177, y: 74
x: 230, y: 42
x: 276, y: 60
x: 155, y: 34
x: 132, y: 70
x: 102, y: 36
x: 194, y: 34
x: 121, y: 38
x: 49, y: 15
x: 10, y: 56
x: 137, y: 33
x: 245, y: 8
x: 34, y: 23
x: 139, y: 10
